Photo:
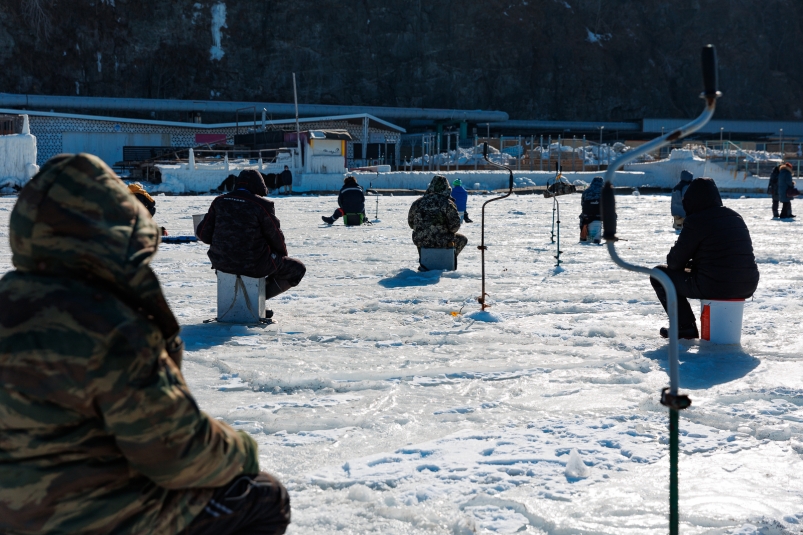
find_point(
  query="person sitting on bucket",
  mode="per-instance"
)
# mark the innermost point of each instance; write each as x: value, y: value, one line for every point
x: 678, y: 213
x: 712, y: 257
x: 460, y: 197
x: 246, y: 238
x: 590, y: 207
x: 351, y: 200
x: 100, y: 433
x: 435, y: 221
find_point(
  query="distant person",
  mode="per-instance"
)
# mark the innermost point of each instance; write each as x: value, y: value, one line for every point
x: 351, y: 200
x: 460, y: 196
x: 143, y: 197
x: 678, y: 213
x: 590, y: 207
x: 772, y: 190
x: 286, y: 180
x: 227, y: 184
x: 435, y: 221
x: 99, y: 432
x: 786, y: 190
x: 245, y: 237
x: 271, y: 181
x: 712, y: 257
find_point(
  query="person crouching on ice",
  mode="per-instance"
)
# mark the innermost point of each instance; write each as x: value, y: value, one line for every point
x: 100, y: 433
x: 246, y: 238
x: 435, y: 221
x: 460, y: 197
x: 712, y: 257
x: 351, y: 200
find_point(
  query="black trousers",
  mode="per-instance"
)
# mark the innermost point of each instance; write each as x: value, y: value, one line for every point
x: 775, y: 207
x: 786, y: 210
x: 684, y: 287
x: 288, y: 275
x: 249, y: 505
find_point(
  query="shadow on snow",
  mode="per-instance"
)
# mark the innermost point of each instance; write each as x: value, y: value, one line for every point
x: 408, y: 277
x: 711, y: 365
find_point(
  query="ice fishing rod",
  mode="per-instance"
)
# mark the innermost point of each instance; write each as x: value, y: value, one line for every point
x: 669, y: 396
x: 376, y: 194
x: 482, y: 246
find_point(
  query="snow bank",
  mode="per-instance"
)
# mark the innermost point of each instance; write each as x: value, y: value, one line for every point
x: 17, y: 158
x: 665, y: 173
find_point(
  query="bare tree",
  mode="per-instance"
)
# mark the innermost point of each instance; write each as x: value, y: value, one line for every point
x: 38, y: 17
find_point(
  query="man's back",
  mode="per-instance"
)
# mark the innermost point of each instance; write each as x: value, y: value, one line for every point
x: 351, y: 198
x: 244, y: 234
x: 716, y: 241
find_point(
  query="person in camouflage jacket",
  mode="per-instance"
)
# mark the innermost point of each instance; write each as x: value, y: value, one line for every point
x: 435, y: 220
x: 98, y: 430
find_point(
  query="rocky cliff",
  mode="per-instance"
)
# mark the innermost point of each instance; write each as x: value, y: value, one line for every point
x: 535, y: 59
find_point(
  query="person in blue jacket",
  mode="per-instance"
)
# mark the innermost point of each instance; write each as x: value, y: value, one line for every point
x: 460, y: 196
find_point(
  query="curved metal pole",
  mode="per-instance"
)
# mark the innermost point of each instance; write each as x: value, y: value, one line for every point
x: 482, y: 246
x: 669, y: 396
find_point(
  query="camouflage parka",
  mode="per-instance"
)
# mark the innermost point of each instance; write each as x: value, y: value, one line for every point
x: 98, y: 430
x: 434, y: 217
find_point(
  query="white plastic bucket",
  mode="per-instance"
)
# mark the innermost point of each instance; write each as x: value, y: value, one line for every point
x: 721, y: 321
x: 594, y: 231
x: 196, y: 220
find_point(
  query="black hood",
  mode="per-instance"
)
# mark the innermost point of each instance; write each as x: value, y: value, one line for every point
x: 701, y: 195
x: 252, y: 181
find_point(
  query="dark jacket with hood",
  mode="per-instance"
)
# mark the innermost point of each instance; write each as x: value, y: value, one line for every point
x: 351, y: 198
x: 590, y: 202
x: 98, y: 430
x: 243, y: 231
x: 716, y: 243
x: 678, y: 192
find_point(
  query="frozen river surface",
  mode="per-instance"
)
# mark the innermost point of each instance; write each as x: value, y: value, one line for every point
x: 384, y: 412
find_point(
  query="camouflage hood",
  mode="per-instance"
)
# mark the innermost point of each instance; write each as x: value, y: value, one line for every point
x: 439, y: 186
x: 77, y: 219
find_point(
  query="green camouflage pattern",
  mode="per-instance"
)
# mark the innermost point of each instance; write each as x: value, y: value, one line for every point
x: 98, y: 430
x: 434, y: 218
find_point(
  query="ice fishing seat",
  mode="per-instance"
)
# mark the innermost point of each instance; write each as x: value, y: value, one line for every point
x: 353, y: 220
x: 240, y: 299
x: 438, y: 259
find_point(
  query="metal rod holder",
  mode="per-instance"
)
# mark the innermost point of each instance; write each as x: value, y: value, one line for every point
x: 670, y: 396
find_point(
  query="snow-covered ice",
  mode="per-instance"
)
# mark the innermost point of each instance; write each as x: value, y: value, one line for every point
x: 388, y: 403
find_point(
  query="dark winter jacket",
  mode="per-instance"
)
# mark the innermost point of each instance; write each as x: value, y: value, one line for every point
x: 716, y: 244
x: 785, y: 182
x: 285, y: 178
x: 772, y: 186
x: 590, y: 202
x: 243, y: 231
x: 678, y: 192
x: 460, y: 196
x: 433, y: 217
x: 351, y: 198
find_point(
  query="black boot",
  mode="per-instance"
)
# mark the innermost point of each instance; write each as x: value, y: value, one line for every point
x: 684, y: 333
x: 327, y: 219
x: 465, y: 218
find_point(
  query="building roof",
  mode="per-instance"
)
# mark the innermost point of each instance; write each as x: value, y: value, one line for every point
x: 374, y: 122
